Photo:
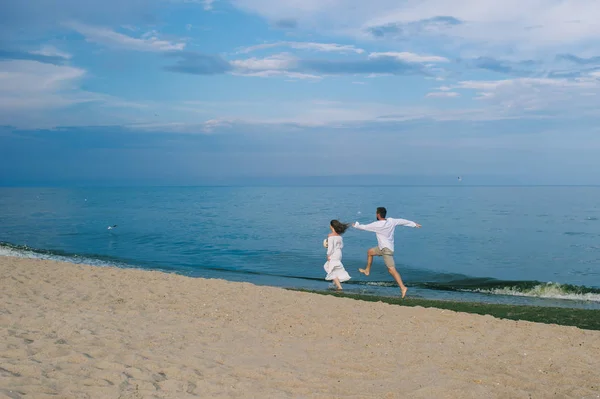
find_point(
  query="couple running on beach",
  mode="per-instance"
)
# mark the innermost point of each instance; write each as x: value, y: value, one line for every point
x: 384, y: 228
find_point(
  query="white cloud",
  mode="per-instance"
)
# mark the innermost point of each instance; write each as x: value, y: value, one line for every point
x: 26, y: 79
x: 273, y: 73
x: 276, y: 65
x: 324, y: 47
x: 443, y: 94
x: 525, y: 26
x: 272, y: 63
x: 556, y: 96
x: 51, y: 51
x: 506, y: 100
x: 319, y: 114
x: 595, y: 74
x: 527, y: 83
x: 130, y: 27
x: 30, y: 88
x: 377, y: 75
x: 208, y: 4
x: 212, y: 124
x: 409, y: 57
x: 148, y: 42
x: 207, y: 126
x: 292, y: 66
x: 32, y: 93
x: 483, y: 85
x: 522, y: 98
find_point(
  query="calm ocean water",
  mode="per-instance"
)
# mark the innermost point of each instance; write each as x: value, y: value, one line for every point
x: 518, y: 245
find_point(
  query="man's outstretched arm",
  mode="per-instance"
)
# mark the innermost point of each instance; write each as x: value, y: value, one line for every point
x: 407, y: 223
x: 366, y: 227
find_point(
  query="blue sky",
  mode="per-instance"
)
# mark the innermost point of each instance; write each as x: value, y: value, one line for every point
x: 191, y: 89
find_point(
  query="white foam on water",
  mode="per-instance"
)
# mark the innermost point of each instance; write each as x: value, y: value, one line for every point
x: 31, y: 254
x: 549, y: 290
x: 8, y: 251
x: 378, y: 283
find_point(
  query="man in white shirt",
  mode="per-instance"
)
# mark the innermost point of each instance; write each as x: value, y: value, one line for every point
x: 384, y: 229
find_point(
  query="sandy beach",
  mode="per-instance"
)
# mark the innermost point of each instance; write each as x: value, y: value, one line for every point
x: 76, y: 331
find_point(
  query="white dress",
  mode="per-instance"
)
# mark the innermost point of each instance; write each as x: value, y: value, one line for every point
x: 334, y: 266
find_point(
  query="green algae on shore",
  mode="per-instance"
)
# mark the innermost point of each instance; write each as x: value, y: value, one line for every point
x: 587, y: 319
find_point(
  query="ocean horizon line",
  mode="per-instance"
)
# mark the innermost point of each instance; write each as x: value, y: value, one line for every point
x: 297, y: 181
x: 275, y: 185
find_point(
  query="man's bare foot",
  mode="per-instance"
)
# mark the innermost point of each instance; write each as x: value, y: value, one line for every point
x: 403, y: 291
x: 364, y: 271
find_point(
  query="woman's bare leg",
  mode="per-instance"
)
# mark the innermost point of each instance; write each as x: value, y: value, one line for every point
x: 336, y: 281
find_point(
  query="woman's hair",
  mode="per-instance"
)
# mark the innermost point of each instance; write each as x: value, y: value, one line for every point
x: 339, y: 227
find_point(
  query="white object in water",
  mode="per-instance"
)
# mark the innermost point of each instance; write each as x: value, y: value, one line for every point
x: 114, y: 226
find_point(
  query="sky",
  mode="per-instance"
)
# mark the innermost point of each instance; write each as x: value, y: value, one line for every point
x: 188, y: 91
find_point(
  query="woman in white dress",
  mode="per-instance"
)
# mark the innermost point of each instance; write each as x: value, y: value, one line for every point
x: 334, y: 244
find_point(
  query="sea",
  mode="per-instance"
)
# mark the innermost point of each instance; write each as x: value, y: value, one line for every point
x: 518, y: 245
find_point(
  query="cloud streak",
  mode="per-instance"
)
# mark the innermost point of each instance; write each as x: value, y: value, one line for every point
x: 515, y: 68
x: 208, y: 5
x: 510, y: 27
x: 198, y: 64
x: 28, y: 87
x: 277, y: 62
x: 311, y: 46
x: 44, y: 55
x: 428, y: 26
x: 34, y: 18
x: 443, y: 94
x: 579, y: 60
x: 285, y: 23
x: 33, y: 92
x: 52, y: 52
x: 290, y: 66
x: 149, y: 42
x: 552, y: 97
x: 409, y: 57
x: 377, y: 65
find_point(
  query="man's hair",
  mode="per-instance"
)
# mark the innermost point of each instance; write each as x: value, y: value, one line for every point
x: 381, y: 211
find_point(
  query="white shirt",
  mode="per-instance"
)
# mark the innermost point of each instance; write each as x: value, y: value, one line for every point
x: 384, y: 229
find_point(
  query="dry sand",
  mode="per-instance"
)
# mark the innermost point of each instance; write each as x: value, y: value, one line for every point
x: 73, y: 331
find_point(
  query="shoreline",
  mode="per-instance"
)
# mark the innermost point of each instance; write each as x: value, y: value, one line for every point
x: 75, y: 330
x: 492, y: 291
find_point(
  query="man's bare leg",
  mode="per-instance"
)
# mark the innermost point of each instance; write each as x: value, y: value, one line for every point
x: 396, y: 275
x: 367, y: 270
